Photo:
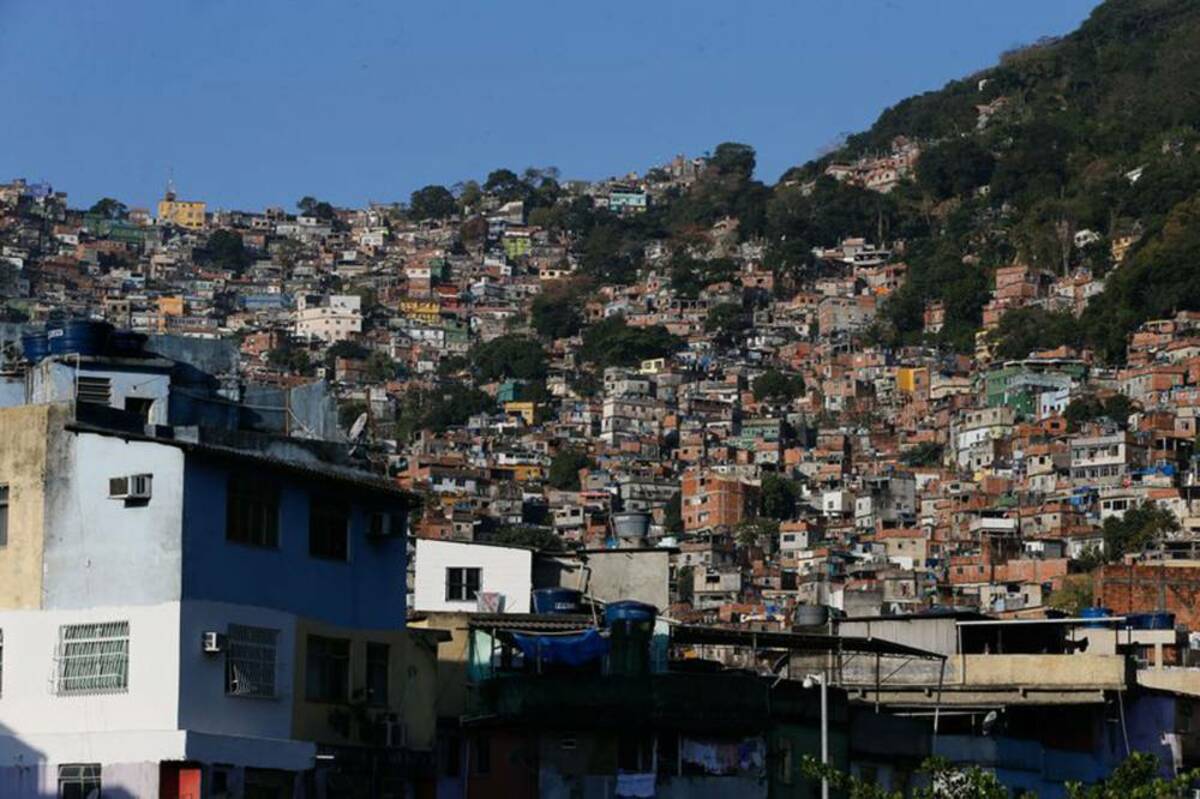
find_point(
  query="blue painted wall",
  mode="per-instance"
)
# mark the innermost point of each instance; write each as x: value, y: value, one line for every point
x: 368, y: 591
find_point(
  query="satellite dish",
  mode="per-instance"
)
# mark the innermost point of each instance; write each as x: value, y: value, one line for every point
x: 356, y: 429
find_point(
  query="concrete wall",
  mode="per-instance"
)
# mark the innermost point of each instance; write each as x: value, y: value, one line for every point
x: 632, y: 574
x: 54, y: 381
x: 1079, y: 671
x: 203, y: 704
x: 25, y: 433
x: 506, y: 570
x: 101, y: 551
x: 65, y: 724
x: 412, y: 680
x: 368, y: 591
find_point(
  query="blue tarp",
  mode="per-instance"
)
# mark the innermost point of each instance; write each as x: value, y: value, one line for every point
x: 572, y: 650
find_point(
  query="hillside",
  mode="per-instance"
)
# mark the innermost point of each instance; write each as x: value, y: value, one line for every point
x: 1018, y: 159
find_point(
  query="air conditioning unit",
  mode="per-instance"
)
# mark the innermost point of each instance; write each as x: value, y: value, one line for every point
x: 212, y: 643
x: 133, y: 486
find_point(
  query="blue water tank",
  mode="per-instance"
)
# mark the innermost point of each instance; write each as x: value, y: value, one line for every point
x: 1096, y: 613
x: 557, y: 600
x: 35, y: 346
x: 82, y: 336
x: 629, y: 611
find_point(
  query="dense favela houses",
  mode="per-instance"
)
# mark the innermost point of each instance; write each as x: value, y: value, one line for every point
x: 670, y: 484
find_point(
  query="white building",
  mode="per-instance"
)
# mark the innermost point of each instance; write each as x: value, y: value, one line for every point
x: 334, y: 318
x: 452, y: 575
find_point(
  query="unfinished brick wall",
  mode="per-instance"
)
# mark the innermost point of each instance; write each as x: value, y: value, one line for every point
x: 1145, y: 588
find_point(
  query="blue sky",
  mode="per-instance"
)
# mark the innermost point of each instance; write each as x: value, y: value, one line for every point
x: 258, y: 102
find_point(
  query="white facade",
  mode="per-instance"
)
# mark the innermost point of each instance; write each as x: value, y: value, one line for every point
x: 507, y: 571
x: 335, y: 318
x: 172, y: 708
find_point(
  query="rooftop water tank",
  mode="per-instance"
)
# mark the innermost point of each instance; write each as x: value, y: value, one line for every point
x: 1096, y: 613
x: 557, y: 600
x: 80, y: 336
x: 631, y: 525
x: 35, y: 346
x: 811, y: 615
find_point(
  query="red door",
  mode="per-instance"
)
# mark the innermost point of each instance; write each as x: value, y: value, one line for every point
x: 178, y: 781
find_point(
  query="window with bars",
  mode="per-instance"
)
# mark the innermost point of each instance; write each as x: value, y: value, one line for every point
x: 93, y: 658
x: 250, y: 661
x: 79, y: 781
x: 252, y: 512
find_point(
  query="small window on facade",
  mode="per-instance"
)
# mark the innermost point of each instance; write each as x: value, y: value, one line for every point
x: 328, y: 530
x: 377, y: 673
x: 79, y: 781
x: 4, y: 515
x: 328, y: 669
x: 252, y: 512
x: 250, y: 661
x: 462, y: 583
x: 93, y: 658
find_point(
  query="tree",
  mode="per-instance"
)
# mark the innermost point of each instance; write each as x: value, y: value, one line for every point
x: 777, y: 386
x: 1137, y: 530
x: 954, y: 168
x: 346, y: 349
x: 539, y: 538
x: 509, y: 356
x: 1074, y: 595
x: 673, y: 514
x: 755, y: 532
x: 927, y: 453
x: 225, y: 250
x: 725, y: 321
x: 684, y: 584
x: 311, y: 206
x: 432, y: 202
x: 564, y: 468
x: 555, y: 313
x: 108, y: 208
x: 290, y: 358
x: 612, y: 342
x: 505, y: 185
x: 1089, y: 407
x: 777, y: 497
x: 1138, y: 777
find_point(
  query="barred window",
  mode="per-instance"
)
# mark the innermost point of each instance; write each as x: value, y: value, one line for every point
x: 93, y: 658
x: 79, y: 781
x: 250, y: 661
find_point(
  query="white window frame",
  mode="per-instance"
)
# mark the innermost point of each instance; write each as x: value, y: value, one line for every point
x: 251, y: 662
x: 92, y: 658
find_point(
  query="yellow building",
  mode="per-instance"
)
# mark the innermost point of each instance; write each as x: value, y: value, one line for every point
x: 912, y: 380
x: 185, y: 213
x: 526, y: 410
x: 420, y: 310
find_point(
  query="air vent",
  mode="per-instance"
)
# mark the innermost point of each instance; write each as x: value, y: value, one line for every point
x: 94, y: 390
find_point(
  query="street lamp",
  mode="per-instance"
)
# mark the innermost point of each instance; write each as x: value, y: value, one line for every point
x: 809, y: 682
